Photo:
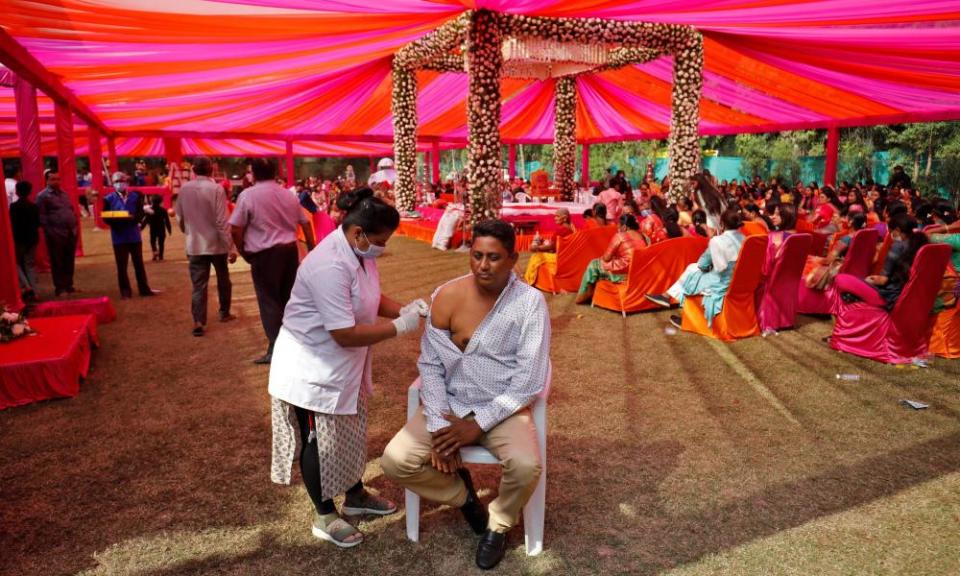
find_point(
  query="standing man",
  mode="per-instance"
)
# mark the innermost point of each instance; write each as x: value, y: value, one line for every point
x: 25, y: 221
x: 125, y: 234
x: 59, y: 223
x: 264, y: 228
x: 202, y: 213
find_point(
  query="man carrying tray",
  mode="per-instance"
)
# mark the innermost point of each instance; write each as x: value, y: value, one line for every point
x: 122, y: 211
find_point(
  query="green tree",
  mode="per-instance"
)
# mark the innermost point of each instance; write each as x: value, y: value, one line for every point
x: 754, y: 152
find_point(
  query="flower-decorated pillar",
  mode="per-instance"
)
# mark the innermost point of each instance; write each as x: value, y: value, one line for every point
x: 404, y: 110
x: 484, y: 166
x: 685, y: 115
x: 565, y: 136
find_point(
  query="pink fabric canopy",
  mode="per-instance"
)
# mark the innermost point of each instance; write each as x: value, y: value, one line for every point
x: 240, y: 76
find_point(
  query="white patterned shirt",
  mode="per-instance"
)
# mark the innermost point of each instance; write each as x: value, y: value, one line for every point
x: 503, y: 368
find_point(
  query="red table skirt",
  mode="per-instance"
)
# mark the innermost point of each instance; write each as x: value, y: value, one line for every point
x: 100, y: 307
x: 49, y: 364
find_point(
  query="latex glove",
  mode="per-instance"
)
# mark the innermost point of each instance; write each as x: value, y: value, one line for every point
x: 419, y: 306
x: 407, y: 322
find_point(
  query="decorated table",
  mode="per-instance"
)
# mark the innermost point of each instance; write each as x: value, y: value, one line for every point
x: 101, y: 307
x: 48, y: 364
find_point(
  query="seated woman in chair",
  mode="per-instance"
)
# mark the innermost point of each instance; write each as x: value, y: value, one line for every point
x: 907, y: 241
x: 615, y: 262
x: 819, y: 271
x: 597, y: 217
x: 546, y: 252
x: 946, y: 230
x: 711, y: 274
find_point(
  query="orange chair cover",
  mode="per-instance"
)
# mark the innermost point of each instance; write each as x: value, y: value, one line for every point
x: 753, y: 229
x: 652, y: 271
x: 574, y: 253
x: 945, y: 339
x: 738, y: 318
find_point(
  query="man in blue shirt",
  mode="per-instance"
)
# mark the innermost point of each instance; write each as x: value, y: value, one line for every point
x: 125, y: 233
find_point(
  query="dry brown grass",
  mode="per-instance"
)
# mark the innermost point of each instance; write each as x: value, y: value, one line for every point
x: 666, y: 454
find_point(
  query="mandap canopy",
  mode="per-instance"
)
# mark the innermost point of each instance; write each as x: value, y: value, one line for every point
x: 246, y: 76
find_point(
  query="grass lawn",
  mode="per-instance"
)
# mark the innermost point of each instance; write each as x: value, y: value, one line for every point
x: 666, y: 454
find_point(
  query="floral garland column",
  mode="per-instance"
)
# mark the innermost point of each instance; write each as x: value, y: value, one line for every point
x: 404, y: 110
x: 565, y: 136
x: 685, y: 116
x: 485, y: 61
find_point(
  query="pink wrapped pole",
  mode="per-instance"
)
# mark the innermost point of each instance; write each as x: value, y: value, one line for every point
x: 585, y: 164
x: 9, y: 282
x: 95, y: 153
x: 512, y: 161
x: 112, y: 152
x: 833, y: 151
x: 291, y: 177
x: 28, y: 134
x: 435, y: 163
x: 67, y: 161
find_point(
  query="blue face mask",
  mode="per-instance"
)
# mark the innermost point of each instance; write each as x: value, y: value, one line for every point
x: 645, y: 213
x: 120, y: 187
x: 372, y: 251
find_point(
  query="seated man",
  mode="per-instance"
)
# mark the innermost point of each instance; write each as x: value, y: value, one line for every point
x: 546, y: 252
x: 484, y: 358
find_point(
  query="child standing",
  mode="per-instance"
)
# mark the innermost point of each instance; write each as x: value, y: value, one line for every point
x: 159, y: 222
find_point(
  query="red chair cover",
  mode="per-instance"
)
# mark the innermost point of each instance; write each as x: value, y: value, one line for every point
x: 866, y: 329
x: 857, y: 263
x: 778, y: 294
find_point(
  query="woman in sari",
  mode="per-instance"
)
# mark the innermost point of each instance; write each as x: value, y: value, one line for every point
x: 615, y: 262
x: 545, y: 253
x: 710, y: 276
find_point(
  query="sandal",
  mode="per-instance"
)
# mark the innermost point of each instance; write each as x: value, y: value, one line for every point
x: 335, y: 529
x: 367, y: 503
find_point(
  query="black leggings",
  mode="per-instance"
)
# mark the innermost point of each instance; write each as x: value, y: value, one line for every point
x: 310, y: 466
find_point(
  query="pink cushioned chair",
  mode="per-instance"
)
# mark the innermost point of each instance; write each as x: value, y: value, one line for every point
x: 778, y: 295
x: 857, y: 262
x: 866, y: 329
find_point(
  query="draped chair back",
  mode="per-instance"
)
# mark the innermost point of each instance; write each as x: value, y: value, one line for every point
x: 749, y: 267
x: 859, y: 256
x: 911, y: 315
x: 778, y: 305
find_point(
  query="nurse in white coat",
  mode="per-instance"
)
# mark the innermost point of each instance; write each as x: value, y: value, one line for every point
x: 320, y: 376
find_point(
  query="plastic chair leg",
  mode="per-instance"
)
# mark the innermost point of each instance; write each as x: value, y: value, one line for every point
x: 533, y: 515
x: 413, y: 515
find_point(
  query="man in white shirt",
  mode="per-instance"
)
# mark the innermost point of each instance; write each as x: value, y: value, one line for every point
x: 11, y: 177
x: 202, y: 214
x: 485, y: 355
x: 264, y: 229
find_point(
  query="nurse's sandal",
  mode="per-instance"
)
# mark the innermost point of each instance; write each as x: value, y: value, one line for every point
x: 333, y: 528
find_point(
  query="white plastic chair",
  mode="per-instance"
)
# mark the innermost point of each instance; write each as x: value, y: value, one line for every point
x: 533, y: 512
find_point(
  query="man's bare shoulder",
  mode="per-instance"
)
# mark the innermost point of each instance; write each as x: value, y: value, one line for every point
x: 448, y: 297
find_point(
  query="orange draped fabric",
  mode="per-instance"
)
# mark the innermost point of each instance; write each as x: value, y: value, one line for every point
x: 574, y: 253
x: 653, y: 270
x: 738, y: 318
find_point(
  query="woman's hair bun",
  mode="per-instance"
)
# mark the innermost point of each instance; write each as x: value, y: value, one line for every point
x: 347, y: 201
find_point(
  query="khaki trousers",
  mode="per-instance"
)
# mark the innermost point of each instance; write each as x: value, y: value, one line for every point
x: 406, y: 461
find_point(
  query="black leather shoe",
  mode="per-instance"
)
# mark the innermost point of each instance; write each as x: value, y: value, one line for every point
x: 473, y: 510
x: 491, y: 549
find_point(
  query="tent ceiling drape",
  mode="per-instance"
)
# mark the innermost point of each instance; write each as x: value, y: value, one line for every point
x: 275, y: 69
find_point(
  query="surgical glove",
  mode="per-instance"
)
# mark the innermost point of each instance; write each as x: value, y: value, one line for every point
x: 419, y: 306
x: 407, y: 322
